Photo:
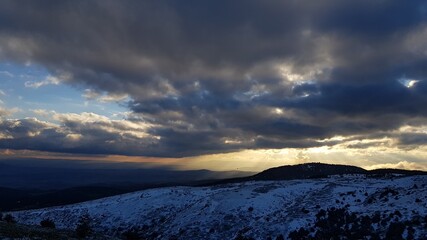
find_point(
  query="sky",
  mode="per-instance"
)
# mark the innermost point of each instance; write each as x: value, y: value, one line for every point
x: 220, y: 85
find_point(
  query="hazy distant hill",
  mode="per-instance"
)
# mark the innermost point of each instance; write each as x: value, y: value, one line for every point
x: 59, y: 174
x: 314, y: 170
x: 304, y: 171
x: 16, y: 199
x: 383, y: 171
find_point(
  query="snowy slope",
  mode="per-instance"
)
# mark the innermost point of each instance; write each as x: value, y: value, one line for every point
x: 255, y: 209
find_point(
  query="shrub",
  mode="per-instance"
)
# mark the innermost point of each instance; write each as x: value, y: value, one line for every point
x: 305, y: 211
x: 298, y: 234
x: 131, y: 234
x: 411, y: 233
x: 338, y: 223
x: 242, y: 237
x: 47, y: 223
x: 83, y: 228
x: 280, y: 237
x: 376, y: 218
x: 9, y: 219
x: 395, y: 230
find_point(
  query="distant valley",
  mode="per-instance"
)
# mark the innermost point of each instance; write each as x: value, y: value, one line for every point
x: 34, y: 183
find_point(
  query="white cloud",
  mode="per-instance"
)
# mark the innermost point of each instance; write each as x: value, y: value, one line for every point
x: 2, y: 94
x: 7, y: 73
x: 49, y: 80
x: 42, y: 112
x: 90, y: 94
x: 400, y: 165
x: 8, y: 111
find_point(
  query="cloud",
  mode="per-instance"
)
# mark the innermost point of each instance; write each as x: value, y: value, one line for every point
x: 400, y: 165
x: 228, y: 75
x: 49, y: 80
x: 103, y: 98
x: 5, y: 111
x: 6, y: 73
x: 2, y: 93
x: 220, y: 40
x: 87, y: 133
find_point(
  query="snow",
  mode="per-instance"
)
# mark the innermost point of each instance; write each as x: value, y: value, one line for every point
x: 259, y: 209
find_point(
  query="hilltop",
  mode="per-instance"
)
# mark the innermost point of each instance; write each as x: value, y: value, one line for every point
x: 316, y: 170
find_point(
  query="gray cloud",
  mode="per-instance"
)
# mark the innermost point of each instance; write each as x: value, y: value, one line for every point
x: 227, y: 75
x: 78, y: 133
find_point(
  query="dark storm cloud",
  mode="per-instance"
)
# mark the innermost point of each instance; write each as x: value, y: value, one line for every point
x: 220, y: 76
x: 367, y: 99
x: 412, y: 140
x: 373, y: 19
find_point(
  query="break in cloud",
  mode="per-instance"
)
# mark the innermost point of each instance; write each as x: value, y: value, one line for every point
x: 220, y: 76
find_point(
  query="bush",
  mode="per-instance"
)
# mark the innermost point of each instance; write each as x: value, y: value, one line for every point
x: 83, y: 228
x: 305, y: 211
x: 47, y: 223
x: 9, y: 219
x: 395, y: 230
x: 131, y: 234
x: 337, y: 223
x: 242, y: 237
x: 280, y: 237
x: 299, y: 234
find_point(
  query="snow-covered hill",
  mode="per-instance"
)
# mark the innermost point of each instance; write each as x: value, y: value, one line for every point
x: 252, y: 209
